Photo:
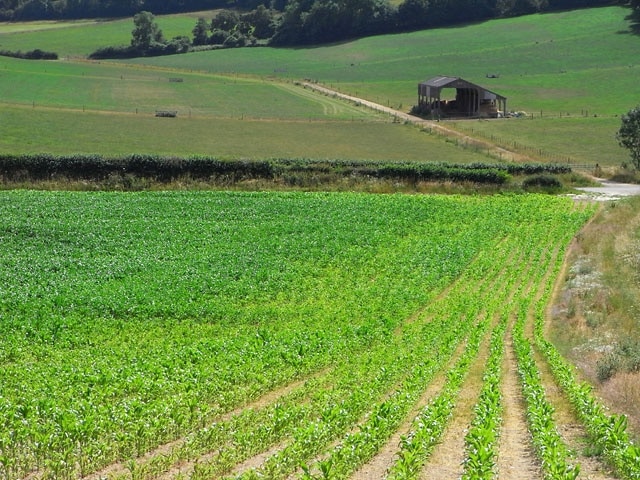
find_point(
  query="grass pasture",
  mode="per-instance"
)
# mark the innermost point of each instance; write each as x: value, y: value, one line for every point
x: 557, y: 62
x: 124, y: 133
x: 79, y: 38
x: 574, y: 139
x: 121, y: 88
x: 577, y: 63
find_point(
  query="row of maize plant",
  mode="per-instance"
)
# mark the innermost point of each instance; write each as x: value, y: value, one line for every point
x: 183, y: 334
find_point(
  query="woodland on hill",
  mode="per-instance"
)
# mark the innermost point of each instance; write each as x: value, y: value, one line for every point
x: 296, y: 22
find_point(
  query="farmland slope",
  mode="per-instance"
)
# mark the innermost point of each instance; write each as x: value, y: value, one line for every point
x: 235, y: 334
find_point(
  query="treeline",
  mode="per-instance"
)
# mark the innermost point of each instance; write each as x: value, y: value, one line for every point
x: 157, y: 168
x: 317, y: 21
x: 293, y: 22
x: 36, y: 54
x: 21, y: 10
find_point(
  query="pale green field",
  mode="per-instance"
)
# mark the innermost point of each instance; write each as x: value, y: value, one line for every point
x: 588, y: 140
x: 123, y: 88
x: 81, y: 37
x: 582, y: 63
x: 40, y: 129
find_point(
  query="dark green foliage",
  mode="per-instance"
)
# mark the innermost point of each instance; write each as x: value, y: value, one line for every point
x: 218, y: 37
x: 200, y: 32
x: 629, y: 135
x: 118, y: 51
x: 40, y: 9
x: 607, y: 366
x: 225, y: 20
x: 624, y: 357
x: 36, y: 54
x: 542, y: 181
x: 147, y: 40
x: 157, y: 168
x: 320, y: 21
x: 261, y: 22
x: 146, y: 32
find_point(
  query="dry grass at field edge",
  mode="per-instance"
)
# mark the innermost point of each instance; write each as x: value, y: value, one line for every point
x: 594, y: 308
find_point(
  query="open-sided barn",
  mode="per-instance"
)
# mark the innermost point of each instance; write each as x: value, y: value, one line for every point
x: 471, y: 100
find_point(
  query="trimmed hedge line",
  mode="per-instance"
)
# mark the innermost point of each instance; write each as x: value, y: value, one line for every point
x: 160, y: 168
x: 155, y: 167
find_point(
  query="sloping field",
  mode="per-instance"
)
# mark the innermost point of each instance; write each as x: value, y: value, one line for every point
x: 211, y: 335
x: 578, y: 65
x: 81, y: 37
x: 552, y: 62
x: 62, y: 131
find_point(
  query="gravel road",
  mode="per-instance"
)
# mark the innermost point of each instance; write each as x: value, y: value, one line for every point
x: 610, y: 190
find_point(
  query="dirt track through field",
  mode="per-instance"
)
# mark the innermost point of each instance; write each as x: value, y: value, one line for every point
x: 380, y: 464
x: 516, y: 458
x: 432, y: 126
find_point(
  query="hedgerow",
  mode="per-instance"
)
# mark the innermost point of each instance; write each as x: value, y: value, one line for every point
x: 160, y: 168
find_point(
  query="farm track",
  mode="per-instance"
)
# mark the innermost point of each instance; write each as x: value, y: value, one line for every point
x: 463, y: 139
x: 516, y: 458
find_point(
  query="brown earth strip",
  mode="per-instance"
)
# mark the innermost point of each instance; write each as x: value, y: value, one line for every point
x: 446, y: 460
x: 121, y: 469
x: 378, y: 466
x: 516, y: 458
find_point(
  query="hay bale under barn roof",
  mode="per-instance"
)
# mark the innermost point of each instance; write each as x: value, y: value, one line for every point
x: 471, y: 100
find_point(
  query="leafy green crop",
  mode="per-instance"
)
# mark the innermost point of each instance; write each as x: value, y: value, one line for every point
x: 132, y: 320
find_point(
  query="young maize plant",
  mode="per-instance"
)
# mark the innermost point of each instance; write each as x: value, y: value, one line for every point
x: 482, y: 437
x: 549, y: 446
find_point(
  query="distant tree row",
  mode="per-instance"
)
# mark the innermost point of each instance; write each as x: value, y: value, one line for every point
x: 16, y: 10
x: 285, y: 22
x: 300, y: 22
x: 232, y: 29
x: 146, y: 40
x: 316, y: 21
x: 411, y: 13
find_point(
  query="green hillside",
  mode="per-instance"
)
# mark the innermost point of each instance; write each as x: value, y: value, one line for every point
x: 574, y: 72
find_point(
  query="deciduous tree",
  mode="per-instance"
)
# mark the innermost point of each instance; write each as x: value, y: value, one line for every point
x: 200, y: 32
x: 146, y: 31
x: 629, y: 134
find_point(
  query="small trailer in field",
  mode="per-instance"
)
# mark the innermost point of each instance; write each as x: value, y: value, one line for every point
x: 166, y: 113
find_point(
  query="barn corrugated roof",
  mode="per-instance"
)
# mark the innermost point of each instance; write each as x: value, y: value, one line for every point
x: 445, y: 81
x: 440, y: 82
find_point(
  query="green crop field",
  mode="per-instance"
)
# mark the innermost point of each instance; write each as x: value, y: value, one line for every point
x: 137, y: 326
x: 198, y: 335
x: 581, y: 64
